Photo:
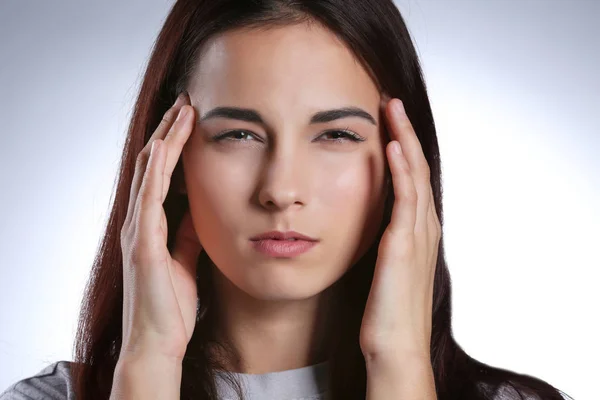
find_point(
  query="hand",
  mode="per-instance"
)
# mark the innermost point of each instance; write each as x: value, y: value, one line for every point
x: 160, y: 294
x: 397, y: 318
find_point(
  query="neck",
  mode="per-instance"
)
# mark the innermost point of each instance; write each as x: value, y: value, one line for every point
x: 271, y: 335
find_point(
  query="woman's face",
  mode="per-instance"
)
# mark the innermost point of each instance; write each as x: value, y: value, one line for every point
x: 284, y: 173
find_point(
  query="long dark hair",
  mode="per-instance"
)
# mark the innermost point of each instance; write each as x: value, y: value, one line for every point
x: 376, y: 33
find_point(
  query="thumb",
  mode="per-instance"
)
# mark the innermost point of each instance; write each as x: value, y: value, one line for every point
x: 187, y: 246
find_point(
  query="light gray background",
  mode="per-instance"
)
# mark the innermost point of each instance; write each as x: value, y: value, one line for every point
x: 515, y: 93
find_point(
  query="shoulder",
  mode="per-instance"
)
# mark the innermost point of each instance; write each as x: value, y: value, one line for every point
x: 51, y: 383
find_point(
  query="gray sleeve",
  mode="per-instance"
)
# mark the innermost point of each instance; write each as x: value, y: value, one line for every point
x: 51, y: 383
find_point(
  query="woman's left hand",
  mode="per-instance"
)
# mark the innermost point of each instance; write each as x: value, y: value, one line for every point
x: 398, y: 315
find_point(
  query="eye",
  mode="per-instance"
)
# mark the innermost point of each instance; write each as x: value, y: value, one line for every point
x: 337, y: 135
x: 235, y: 135
x: 343, y: 135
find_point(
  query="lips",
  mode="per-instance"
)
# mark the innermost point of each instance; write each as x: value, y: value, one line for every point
x: 278, y: 235
x: 283, y: 244
x: 286, y: 248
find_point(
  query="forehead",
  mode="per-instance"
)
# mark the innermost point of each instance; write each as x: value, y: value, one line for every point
x: 298, y: 66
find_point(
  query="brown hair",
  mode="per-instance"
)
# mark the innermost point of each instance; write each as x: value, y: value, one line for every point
x: 376, y: 33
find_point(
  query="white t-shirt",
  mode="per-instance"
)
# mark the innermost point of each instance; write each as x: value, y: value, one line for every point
x: 308, y: 383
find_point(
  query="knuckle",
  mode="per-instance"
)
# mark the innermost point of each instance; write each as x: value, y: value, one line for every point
x: 169, y: 117
x: 140, y: 160
x: 125, y: 239
x: 406, y: 242
x: 124, y: 235
x: 136, y: 257
x: 136, y: 254
x: 404, y: 167
x: 426, y: 168
x: 167, y: 176
x: 146, y: 200
x: 409, y: 197
x: 403, y: 246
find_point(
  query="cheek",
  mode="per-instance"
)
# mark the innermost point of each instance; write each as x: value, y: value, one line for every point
x: 344, y: 195
x: 217, y: 189
x: 348, y: 188
x: 352, y: 203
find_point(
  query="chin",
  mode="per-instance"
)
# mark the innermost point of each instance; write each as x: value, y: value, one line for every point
x: 276, y: 281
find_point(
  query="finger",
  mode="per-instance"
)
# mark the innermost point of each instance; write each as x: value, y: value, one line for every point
x: 405, y: 196
x: 142, y: 158
x: 175, y: 140
x: 401, y: 129
x: 149, y: 208
x: 435, y: 228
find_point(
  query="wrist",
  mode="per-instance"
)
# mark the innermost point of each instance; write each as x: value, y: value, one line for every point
x: 407, y: 363
x: 403, y: 376
x: 146, y: 375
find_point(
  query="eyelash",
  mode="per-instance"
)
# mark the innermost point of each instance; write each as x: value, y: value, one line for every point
x: 349, y: 135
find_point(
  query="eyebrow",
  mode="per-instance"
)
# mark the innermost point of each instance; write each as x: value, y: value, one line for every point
x: 250, y: 115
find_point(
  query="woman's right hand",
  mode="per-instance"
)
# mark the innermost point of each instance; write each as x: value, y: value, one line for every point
x: 159, y: 289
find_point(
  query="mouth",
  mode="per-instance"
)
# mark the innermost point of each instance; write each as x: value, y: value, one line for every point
x: 283, y: 248
x: 283, y: 236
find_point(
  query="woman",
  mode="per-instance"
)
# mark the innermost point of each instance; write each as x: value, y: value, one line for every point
x: 285, y: 234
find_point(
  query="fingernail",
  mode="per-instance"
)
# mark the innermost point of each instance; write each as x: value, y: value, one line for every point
x: 399, y: 107
x: 384, y: 100
x: 396, y: 147
x: 182, y: 113
x: 180, y: 99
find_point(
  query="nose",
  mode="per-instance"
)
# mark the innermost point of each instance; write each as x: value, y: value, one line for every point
x: 282, y: 184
